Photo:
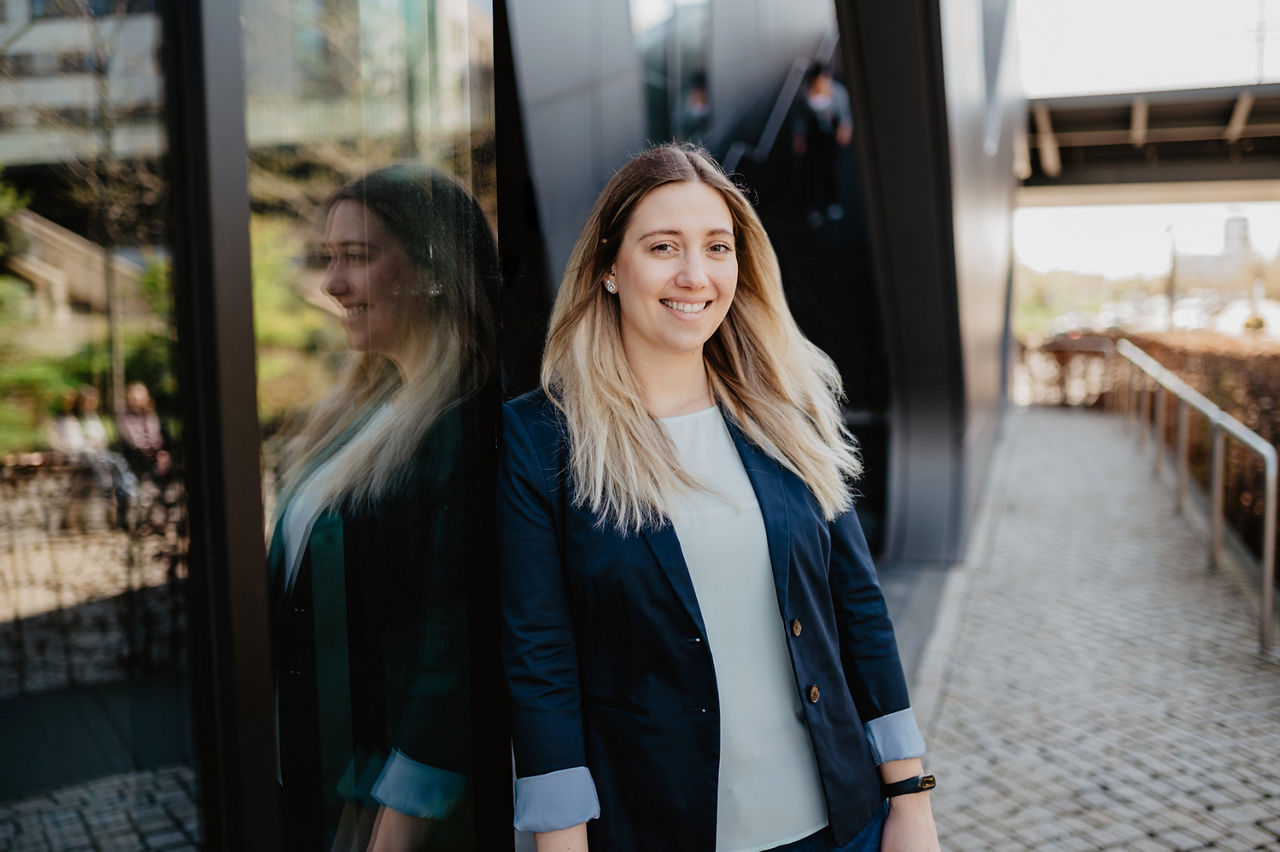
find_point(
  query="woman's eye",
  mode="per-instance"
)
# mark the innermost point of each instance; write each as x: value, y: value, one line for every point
x: 722, y: 248
x: 355, y: 257
x: 664, y: 248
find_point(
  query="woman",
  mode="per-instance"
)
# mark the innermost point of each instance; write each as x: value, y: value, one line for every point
x: 694, y: 637
x: 382, y: 511
x: 141, y: 434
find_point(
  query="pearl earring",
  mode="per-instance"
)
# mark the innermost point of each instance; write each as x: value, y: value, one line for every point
x: 610, y: 286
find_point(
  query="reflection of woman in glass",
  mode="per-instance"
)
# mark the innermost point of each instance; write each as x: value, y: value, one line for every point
x: 697, y: 649
x: 384, y: 496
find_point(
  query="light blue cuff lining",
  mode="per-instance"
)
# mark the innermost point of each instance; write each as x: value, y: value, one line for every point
x: 416, y: 789
x: 895, y: 736
x: 556, y: 800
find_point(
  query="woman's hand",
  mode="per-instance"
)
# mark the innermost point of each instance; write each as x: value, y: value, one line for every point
x: 397, y: 832
x: 565, y: 840
x: 909, y: 827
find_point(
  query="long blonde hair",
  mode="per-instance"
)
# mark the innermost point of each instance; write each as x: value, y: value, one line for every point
x: 449, y: 245
x: 782, y: 391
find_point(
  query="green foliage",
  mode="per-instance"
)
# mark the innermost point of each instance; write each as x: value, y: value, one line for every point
x: 1040, y: 297
x: 299, y: 346
x: 281, y: 317
x: 11, y: 201
x: 16, y: 304
x: 32, y: 389
x: 29, y: 393
x: 157, y: 287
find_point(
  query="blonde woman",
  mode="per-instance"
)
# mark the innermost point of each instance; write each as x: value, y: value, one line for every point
x: 696, y: 647
x: 380, y: 517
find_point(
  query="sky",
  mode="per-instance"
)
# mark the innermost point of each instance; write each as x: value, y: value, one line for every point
x: 1134, y: 239
x: 1095, y: 46
x: 1092, y: 46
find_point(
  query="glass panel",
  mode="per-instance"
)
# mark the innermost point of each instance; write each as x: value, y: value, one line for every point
x: 95, y: 740
x: 673, y: 40
x: 372, y: 184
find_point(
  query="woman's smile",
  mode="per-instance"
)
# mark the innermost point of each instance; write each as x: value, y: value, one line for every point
x: 686, y: 307
x: 676, y: 272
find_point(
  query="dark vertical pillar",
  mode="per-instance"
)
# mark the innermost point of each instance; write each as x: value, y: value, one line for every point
x: 527, y: 290
x: 230, y: 644
x: 893, y: 56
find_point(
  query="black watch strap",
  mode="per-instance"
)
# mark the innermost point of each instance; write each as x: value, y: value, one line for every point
x: 918, y: 784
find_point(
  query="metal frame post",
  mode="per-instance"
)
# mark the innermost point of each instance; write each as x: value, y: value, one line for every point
x: 1266, y: 637
x: 1130, y: 395
x: 1216, y: 482
x: 232, y: 693
x: 1184, y: 463
x: 1144, y: 412
x: 1161, y: 404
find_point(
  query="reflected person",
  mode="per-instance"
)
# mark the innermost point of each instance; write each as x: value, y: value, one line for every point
x: 80, y: 437
x: 141, y: 435
x: 385, y: 491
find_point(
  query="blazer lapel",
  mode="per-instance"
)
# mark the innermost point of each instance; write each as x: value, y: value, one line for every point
x: 666, y: 549
x: 767, y: 480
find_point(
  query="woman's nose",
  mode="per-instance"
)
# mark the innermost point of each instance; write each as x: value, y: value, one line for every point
x: 335, y: 281
x: 693, y: 272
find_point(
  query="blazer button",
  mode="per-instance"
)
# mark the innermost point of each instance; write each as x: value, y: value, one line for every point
x: 814, y: 694
x: 795, y: 627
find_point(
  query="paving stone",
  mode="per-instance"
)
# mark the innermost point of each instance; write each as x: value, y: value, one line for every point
x: 165, y: 839
x: 1083, y: 645
x: 1180, y: 840
x: 1251, y: 836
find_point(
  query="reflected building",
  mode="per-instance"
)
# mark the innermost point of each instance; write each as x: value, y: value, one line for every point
x: 171, y: 229
x: 73, y: 71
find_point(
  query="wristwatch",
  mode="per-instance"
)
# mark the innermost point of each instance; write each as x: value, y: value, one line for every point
x: 918, y: 784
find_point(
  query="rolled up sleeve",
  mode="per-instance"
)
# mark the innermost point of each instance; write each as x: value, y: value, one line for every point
x: 554, y: 789
x: 416, y: 789
x: 895, y: 736
x: 868, y: 649
x: 556, y: 800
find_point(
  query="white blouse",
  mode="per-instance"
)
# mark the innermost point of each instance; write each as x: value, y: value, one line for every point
x: 770, y: 792
x: 304, y: 507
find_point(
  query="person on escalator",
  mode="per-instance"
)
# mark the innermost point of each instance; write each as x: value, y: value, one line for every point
x: 823, y: 123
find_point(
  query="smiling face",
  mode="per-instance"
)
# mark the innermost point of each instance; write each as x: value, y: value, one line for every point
x: 676, y: 272
x: 370, y: 278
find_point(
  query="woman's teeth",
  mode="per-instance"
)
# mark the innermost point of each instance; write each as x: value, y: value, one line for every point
x: 356, y: 311
x: 685, y: 307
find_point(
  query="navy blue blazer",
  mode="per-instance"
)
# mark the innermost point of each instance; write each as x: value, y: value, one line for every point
x: 607, y: 658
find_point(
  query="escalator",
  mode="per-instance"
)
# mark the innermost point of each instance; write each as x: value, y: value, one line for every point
x: 828, y: 278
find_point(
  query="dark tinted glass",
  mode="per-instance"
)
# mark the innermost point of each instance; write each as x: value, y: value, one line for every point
x: 94, y: 697
x: 372, y: 186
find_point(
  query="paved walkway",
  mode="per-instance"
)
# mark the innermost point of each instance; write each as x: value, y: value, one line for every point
x: 129, y: 811
x: 1089, y: 685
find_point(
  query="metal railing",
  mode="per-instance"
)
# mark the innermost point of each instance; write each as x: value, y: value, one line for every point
x: 1135, y: 400
x: 781, y: 106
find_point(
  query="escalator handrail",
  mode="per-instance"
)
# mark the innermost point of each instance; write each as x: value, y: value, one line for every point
x: 781, y: 106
